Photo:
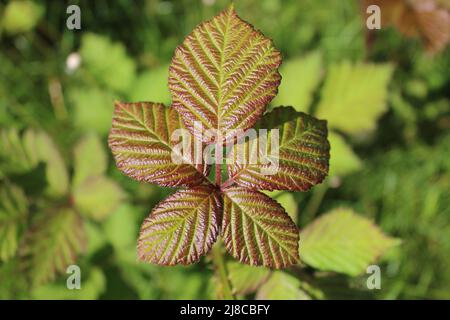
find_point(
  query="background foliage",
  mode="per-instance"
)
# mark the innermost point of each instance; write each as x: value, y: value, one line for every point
x: 62, y: 200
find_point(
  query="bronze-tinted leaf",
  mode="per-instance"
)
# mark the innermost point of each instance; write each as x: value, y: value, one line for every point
x: 303, y: 153
x: 140, y: 140
x: 417, y: 18
x: 256, y: 230
x: 223, y: 75
x: 182, y: 228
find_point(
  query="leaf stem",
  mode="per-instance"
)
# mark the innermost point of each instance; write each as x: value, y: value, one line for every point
x: 222, y: 272
x: 314, y: 203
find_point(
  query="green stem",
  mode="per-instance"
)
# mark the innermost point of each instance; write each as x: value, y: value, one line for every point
x: 222, y: 272
x: 315, y: 202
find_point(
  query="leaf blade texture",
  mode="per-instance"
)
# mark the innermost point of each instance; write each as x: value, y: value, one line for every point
x: 140, y: 140
x: 256, y: 230
x: 223, y: 75
x: 303, y: 153
x: 181, y: 228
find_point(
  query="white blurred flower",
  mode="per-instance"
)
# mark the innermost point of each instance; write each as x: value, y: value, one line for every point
x: 208, y: 2
x: 73, y: 62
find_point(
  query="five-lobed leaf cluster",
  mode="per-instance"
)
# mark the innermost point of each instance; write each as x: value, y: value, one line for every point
x: 222, y: 77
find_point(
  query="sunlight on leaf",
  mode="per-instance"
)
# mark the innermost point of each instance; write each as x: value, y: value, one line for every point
x: 181, y: 228
x: 354, y: 96
x: 281, y: 286
x: 224, y: 74
x: 343, y: 160
x: 257, y: 231
x: 300, y: 77
x: 303, y: 153
x: 343, y: 241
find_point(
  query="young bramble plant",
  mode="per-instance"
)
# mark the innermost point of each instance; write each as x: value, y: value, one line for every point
x: 222, y: 77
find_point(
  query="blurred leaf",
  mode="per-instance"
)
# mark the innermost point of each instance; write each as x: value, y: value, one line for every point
x: 56, y: 171
x: 281, y: 286
x: 95, y: 237
x: 107, y: 61
x: 21, y: 154
x: 121, y: 230
x: 14, y: 154
x: 97, y: 197
x: 52, y: 244
x: 13, y: 281
x: 93, y: 109
x: 92, y: 287
x: 90, y: 159
x: 343, y: 241
x: 343, y: 160
x: 300, y: 77
x: 21, y: 16
x: 13, y: 212
x: 246, y: 279
x: 354, y: 96
x: 152, y: 86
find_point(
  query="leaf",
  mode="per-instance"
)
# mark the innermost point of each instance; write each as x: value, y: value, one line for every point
x: 223, y: 75
x: 354, y: 96
x: 181, y: 228
x: 92, y: 286
x: 288, y: 202
x: 303, y: 153
x: 92, y: 109
x: 256, y: 230
x: 56, y: 170
x: 246, y: 279
x: 281, y: 286
x: 20, y: 154
x: 301, y: 76
x: 52, y: 244
x: 121, y: 230
x: 14, y: 154
x: 423, y: 19
x: 107, y: 61
x: 13, y: 213
x: 343, y: 241
x: 90, y: 159
x: 97, y: 197
x: 343, y: 160
x: 141, y: 143
x: 152, y: 85
x: 21, y: 16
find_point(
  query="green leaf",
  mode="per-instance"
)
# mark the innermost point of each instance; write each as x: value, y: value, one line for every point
x: 140, y: 140
x: 92, y: 286
x: 52, y: 244
x: 343, y: 160
x: 281, y: 286
x: 288, y: 202
x: 107, y: 61
x: 152, y: 86
x: 97, y: 197
x: 354, y: 96
x: 13, y: 213
x: 246, y: 279
x: 14, y: 154
x: 42, y: 147
x: 303, y: 153
x: 21, y: 16
x: 90, y: 159
x: 223, y: 75
x: 256, y: 230
x: 181, y: 228
x: 344, y: 242
x: 92, y: 109
x: 121, y: 231
x: 300, y: 77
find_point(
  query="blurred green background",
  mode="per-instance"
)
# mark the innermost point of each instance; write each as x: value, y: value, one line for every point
x: 62, y: 200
